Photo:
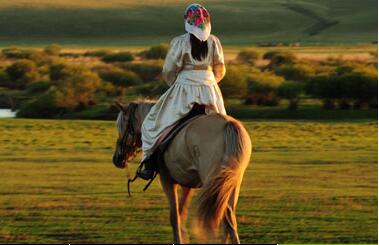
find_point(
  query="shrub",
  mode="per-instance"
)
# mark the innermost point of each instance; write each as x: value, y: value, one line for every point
x: 148, y: 71
x: 248, y: 56
x: 152, y: 89
x: 297, y: 72
x: 38, y: 87
x: 4, y: 79
x: 347, y: 84
x: 155, y: 52
x: 279, y: 58
x: 43, y: 106
x: 234, y: 85
x: 261, y: 87
x: 119, y: 77
x: 118, y: 57
x: 15, y: 53
x: 291, y: 91
x: 262, y: 99
x: 52, y: 49
x: 21, y: 73
x: 97, y: 53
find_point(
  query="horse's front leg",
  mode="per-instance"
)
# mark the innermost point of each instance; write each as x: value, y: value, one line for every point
x: 183, y: 210
x: 171, y: 190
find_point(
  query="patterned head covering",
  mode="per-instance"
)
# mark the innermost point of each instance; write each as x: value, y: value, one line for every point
x: 197, y: 21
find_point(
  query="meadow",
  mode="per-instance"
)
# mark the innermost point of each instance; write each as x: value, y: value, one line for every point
x: 308, y: 182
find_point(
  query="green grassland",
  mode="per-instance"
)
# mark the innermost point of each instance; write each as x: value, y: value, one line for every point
x: 240, y: 22
x: 308, y: 182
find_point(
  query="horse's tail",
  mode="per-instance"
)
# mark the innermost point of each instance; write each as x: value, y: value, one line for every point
x: 225, y: 178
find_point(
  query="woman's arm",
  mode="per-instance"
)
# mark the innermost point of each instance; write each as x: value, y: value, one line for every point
x: 218, y: 60
x: 173, y: 61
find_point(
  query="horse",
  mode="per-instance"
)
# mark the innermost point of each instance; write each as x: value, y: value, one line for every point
x: 210, y: 153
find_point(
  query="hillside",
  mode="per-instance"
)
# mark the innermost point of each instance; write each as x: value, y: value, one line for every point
x: 238, y: 22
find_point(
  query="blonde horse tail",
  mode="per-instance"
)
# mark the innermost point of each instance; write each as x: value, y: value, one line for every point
x: 224, y: 178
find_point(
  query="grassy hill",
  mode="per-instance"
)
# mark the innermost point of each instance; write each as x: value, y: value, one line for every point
x: 238, y: 22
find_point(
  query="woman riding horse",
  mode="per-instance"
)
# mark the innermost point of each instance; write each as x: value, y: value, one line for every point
x: 193, y: 66
x: 211, y: 152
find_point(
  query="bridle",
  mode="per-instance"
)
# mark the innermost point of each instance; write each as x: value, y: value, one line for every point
x: 130, y: 142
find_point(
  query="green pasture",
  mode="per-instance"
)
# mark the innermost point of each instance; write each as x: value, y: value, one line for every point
x: 240, y: 22
x: 308, y: 182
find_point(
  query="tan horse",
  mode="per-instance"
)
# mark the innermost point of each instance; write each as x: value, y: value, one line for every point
x: 212, y: 152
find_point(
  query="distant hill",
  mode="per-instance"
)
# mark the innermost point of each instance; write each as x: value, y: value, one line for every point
x: 138, y: 23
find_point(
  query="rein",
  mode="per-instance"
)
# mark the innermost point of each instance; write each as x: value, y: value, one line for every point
x: 129, y: 141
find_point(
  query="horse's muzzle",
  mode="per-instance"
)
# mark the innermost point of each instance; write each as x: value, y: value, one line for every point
x: 118, y: 161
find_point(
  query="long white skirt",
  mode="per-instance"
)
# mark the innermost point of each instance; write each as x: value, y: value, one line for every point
x: 196, y: 86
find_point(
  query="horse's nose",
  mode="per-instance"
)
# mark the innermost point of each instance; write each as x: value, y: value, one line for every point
x: 118, y: 161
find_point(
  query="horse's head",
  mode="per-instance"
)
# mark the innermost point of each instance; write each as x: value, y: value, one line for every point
x: 129, y: 134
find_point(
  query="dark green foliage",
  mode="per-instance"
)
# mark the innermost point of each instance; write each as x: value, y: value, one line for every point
x: 16, y: 53
x: 148, y: 71
x: 297, y: 72
x: 262, y: 99
x: 152, y: 89
x: 278, y: 58
x: 119, y: 77
x: 345, y: 85
x: 97, y: 53
x: 52, y: 49
x: 291, y: 91
x: 43, y: 106
x: 248, y: 56
x: 155, y: 52
x: 57, y: 71
x: 38, y: 87
x: 234, y: 84
x: 21, y: 73
x: 118, y: 57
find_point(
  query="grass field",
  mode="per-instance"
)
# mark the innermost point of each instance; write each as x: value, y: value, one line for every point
x: 240, y: 22
x: 308, y: 182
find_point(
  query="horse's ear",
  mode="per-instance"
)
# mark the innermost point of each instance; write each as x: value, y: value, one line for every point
x: 120, y: 106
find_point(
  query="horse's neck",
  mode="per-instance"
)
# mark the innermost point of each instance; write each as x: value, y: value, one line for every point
x: 144, y: 109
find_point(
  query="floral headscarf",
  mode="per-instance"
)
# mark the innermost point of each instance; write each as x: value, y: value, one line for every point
x: 197, y: 21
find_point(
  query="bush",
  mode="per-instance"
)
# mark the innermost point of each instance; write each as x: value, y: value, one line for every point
x: 248, y: 56
x: 38, y: 87
x: 152, y: 89
x: 97, y: 53
x: 21, y: 73
x: 119, y: 77
x: 278, y: 58
x: 291, y: 91
x: 52, y: 49
x: 357, y: 84
x: 43, y: 106
x: 155, y: 52
x: 297, y: 72
x: 234, y: 84
x: 15, y: 53
x: 4, y: 79
x: 148, y: 71
x: 262, y: 99
x: 118, y: 57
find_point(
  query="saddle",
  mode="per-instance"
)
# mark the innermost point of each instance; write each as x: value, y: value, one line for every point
x: 157, y: 157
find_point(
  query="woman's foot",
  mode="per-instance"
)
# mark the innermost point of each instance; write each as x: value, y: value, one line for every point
x: 148, y: 170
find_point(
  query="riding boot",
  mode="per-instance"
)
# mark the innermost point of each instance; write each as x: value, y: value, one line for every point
x: 148, y: 170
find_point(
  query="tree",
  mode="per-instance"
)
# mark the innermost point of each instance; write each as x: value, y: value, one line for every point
x: 21, y: 73
x: 155, y: 52
x: 234, y: 85
x: 248, y: 56
x: 52, y: 49
x: 291, y: 91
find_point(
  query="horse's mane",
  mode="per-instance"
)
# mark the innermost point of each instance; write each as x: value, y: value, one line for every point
x: 143, y: 105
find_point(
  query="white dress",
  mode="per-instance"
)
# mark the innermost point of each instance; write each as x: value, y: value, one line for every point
x: 191, y: 81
